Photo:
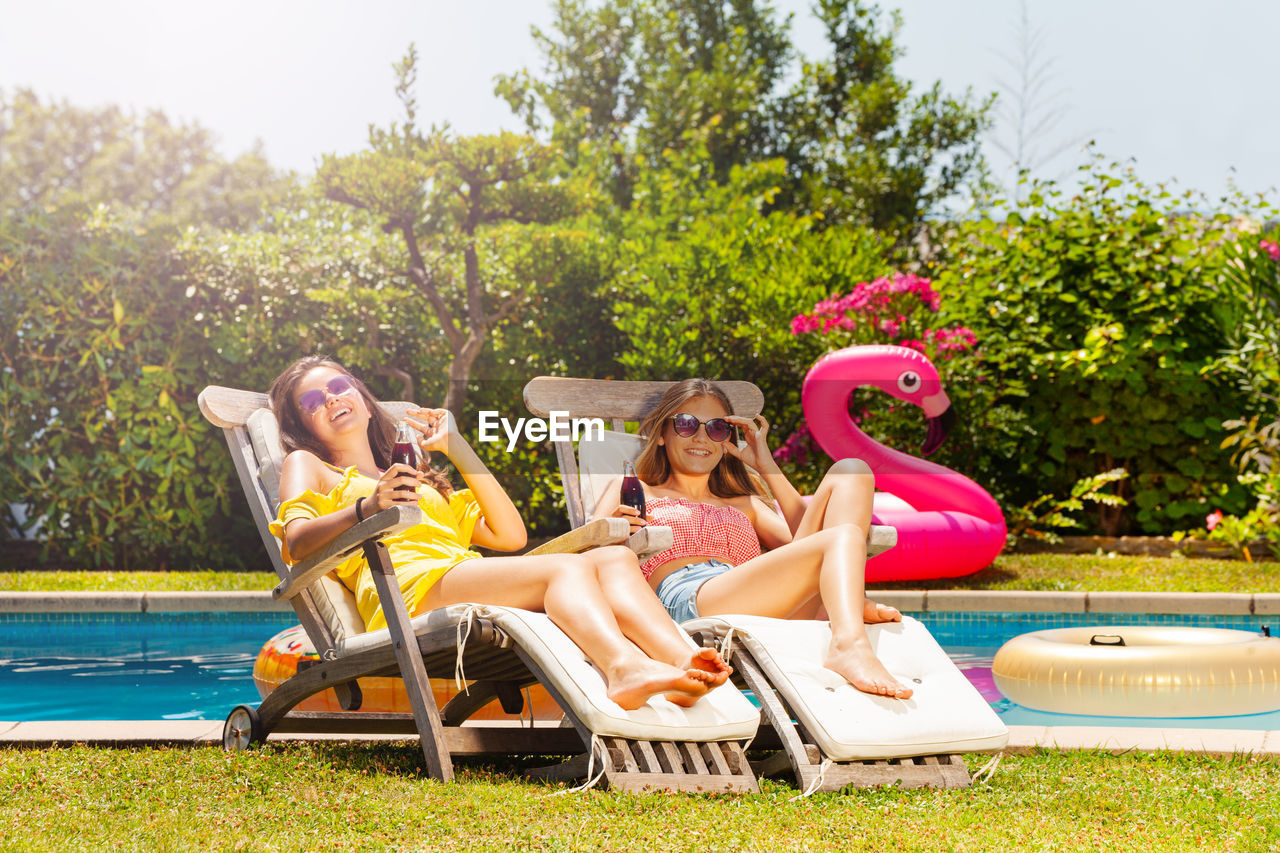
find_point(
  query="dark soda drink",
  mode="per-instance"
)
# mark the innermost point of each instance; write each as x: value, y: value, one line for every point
x: 404, y: 452
x: 632, y: 489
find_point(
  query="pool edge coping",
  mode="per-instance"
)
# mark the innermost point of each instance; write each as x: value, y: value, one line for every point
x: 1022, y: 739
x: 150, y: 601
x: 914, y: 600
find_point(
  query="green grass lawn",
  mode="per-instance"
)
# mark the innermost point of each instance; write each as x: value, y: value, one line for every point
x: 206, y: 581
x: 314, y: 797
x: 1102, y: 573
x: 1011, y: 571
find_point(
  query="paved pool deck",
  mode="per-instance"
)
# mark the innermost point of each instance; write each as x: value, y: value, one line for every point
x: 135, y: 733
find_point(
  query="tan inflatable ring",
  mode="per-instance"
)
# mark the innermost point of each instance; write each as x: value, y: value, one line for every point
x: 1149, y: 671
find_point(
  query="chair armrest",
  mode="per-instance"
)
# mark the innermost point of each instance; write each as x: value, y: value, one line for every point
x: 593, y: 534
x: 648, y: 541
x: 306, y: 572
x: 880, y: 538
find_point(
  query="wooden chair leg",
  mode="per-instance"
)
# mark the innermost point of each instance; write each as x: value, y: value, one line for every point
x: 412, y: 669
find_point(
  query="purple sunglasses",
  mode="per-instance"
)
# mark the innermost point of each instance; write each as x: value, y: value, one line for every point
x: 686, y: 425
x: 313, y: 401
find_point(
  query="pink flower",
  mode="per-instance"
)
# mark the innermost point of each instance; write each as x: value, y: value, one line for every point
x: 1213, y: 519
x: 888, y: 303
x: 797, y: 447
x: 1270, y: 248
x: 802, y: 323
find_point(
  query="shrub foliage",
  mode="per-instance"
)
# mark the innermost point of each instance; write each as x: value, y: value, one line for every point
x: 1104, y: 306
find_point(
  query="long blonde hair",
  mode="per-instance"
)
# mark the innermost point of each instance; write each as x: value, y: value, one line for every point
x: 729, y: 479
x: 296, y: 435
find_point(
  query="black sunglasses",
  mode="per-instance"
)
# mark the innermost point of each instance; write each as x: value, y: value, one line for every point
x: 313, y: 401
x: 686, y: 426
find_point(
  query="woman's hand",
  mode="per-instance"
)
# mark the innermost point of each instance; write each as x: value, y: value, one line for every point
x: 610, y: 506
x: 397, y: 485
x: 436, y: 428
x: 756, y: 452
x: 631, y: 514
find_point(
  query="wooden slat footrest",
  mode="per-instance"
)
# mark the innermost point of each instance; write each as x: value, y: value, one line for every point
x: 928, y: 771
x: 641, y: 765
x: 687, y: 766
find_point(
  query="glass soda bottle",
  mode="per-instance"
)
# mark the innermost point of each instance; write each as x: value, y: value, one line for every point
x: 404, y: 450
x: 632, y: 489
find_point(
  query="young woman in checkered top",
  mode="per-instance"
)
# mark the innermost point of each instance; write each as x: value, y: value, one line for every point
x: 814, y: 558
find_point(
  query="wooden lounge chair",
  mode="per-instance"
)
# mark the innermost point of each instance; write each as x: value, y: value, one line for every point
x: 499, y: 650
x: 829, y: 734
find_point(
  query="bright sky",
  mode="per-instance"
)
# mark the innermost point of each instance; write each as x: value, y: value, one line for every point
x: 1179, y: 85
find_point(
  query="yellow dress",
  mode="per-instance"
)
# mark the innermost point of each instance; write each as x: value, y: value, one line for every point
x: 421, y: 554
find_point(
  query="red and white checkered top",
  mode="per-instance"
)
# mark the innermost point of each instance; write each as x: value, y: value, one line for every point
x: 701, y: 530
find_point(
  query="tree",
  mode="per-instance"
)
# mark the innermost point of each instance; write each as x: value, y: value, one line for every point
x: 1032, y: 112
x: 451, y: 199
x: 859, y: 146
x: 630, y: 80
x: 57, y: 155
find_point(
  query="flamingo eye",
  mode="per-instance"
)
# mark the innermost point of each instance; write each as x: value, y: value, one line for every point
x: 909, y: 381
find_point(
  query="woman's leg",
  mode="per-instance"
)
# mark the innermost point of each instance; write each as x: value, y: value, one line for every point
x: 844, y: 497
x: 828, y: 563
x: 567, y: 588
x: 643, y: 619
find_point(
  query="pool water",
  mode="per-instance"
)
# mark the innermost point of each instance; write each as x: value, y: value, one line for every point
x: 160, y: 666
x: 130, y: 666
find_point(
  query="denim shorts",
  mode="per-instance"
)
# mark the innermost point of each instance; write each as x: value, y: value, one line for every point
x: 678, y: 591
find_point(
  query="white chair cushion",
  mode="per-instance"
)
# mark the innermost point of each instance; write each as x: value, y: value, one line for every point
x: 723, y: 714
x: 946, y: 714
x: 264, y: 435
x: 337, y: 607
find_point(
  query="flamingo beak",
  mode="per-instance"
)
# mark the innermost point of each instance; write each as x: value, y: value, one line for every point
x: 939, y: 429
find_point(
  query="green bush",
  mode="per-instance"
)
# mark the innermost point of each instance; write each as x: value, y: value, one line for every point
x: 1251, y: 289
x: 116, y: 330
x: 1103, y: 306
x: 102, y: 362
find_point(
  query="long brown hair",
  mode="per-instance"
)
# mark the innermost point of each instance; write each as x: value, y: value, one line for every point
x: 729, y: 479
x: 295, y: 435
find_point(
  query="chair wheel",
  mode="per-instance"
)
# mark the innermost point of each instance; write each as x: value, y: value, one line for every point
x: 242, y: 729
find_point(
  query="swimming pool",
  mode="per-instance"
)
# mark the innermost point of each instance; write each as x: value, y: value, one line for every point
x: 130, y: 666
x: 181, y: 666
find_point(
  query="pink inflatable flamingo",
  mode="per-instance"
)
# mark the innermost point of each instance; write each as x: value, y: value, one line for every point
x: 949, y: 526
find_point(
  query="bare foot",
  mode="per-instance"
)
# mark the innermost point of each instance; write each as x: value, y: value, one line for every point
x: 684, y: 700
x: 632, y: 685
x: 710, y: 662
x: 861, y: 668
x: 873, y: 612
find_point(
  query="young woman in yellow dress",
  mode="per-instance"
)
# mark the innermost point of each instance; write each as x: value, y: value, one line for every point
x: 338, y: 471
